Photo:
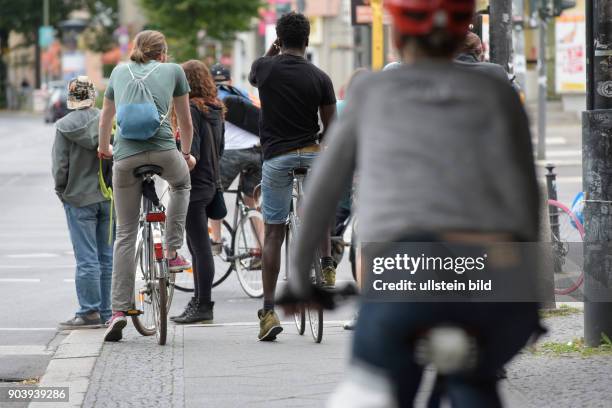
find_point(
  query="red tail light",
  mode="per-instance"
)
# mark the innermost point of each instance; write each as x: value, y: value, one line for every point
x: 156, y: 217
x: 159, y: 251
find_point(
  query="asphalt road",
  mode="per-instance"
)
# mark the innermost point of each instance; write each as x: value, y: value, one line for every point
x: 37, y: 264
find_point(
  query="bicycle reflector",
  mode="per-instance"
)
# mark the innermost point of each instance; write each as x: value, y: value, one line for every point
x: 159, y: 216
x: 159, y: 251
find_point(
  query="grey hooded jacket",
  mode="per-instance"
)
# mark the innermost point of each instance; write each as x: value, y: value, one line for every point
x: 75, y: 160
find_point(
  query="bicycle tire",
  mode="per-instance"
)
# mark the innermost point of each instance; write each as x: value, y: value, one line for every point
x: 162, y: 314
x: 299, y: 317
x: 186, y: 284
x: 243, y: 248
x: 574, y: 222
x: 315, y: 316
x: 225, y: 252
x: 315, y: 319
x: 140, y: 298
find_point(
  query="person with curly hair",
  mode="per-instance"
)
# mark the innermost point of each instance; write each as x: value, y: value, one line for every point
x: 208, y: 127
x: 293, y: 93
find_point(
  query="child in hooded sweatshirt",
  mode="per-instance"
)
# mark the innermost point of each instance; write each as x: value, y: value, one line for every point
x: 76, y: 170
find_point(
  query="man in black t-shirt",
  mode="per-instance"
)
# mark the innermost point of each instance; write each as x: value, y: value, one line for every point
x: 293, y: 94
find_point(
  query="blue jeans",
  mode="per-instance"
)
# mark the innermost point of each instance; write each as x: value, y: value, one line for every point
x: 89, y: 229
x: 277, y: 184
x: 385, y: 334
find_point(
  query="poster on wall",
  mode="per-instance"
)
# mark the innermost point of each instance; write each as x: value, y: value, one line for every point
x: 570, y: 66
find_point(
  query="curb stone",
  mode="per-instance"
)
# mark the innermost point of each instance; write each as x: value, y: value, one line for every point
x: 72, y: 366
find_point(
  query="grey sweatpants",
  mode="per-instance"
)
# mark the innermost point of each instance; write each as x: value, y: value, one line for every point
x: 127, y: 191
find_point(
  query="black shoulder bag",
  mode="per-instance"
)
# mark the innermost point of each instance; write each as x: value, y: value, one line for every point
x: 216, y: 210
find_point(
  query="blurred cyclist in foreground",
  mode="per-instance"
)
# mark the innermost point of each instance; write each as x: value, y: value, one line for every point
x: 444, y: 154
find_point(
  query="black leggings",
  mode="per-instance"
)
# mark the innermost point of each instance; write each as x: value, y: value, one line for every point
x: 198, y: 243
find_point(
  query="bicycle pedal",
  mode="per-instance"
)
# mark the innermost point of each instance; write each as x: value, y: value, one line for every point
x: 134, y: 312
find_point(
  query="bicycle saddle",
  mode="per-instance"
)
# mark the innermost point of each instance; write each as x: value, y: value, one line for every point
x: 300, y: 171
x: 147, y: 169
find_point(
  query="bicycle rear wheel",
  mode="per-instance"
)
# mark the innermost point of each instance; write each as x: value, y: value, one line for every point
x: 315, y: 315
x: 566, y: 239
x: 160, y: 305
x: 144, y: 323
x: 247, y: 251
x: 299, y: 317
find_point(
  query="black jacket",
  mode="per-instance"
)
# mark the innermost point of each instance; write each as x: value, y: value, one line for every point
x: 203, y: 176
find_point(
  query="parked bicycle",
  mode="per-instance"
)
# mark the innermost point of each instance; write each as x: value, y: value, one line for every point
x: 153, y: 289
x: 240, y: 249
x: 567, y: 235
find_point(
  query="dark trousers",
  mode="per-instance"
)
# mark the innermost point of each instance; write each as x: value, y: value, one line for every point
x: 385, y: 335
x: 198, y: 243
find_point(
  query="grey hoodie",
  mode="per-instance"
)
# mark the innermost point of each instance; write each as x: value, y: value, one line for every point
x: 75, y: 160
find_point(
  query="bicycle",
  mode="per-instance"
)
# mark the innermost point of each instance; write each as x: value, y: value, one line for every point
x: 153, y: 288
x: 315, y: 315
x: 240, y: 248
x: 566, y: 231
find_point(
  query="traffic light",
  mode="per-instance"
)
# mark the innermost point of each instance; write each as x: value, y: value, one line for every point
x: 560, y: 5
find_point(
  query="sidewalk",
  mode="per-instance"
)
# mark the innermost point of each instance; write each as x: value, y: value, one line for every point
x: 224, y: 366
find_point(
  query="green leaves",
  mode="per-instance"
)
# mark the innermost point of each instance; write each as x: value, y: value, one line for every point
x: 181, y: 20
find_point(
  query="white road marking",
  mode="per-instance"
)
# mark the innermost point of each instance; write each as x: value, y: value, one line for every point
x: 564, y: 153
x: 22, y: 350
x: 559, y: 163
x: 254, y: 323
x: 22, y: 280
x: 69, y: 280
x: 552, y: 141
x: 28, y: 328
x: 33, y: 256
x: 36, y: 266
x: 568, y: 179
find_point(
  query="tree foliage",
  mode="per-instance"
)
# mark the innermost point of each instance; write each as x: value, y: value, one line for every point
x: 25, y: 16
x: 181, y: 20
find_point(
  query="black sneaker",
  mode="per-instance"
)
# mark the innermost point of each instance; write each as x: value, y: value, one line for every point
x: 189, y: 306
x: 200, y: 313
x: 88, y: 321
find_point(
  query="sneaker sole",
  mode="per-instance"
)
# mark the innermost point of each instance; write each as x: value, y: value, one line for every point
x: 271, y: 334
x: 113, y: 333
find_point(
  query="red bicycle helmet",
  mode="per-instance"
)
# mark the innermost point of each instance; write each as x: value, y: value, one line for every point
x: 421, y: 17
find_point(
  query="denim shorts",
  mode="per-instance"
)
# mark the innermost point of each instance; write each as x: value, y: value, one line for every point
x: 277, y: 184
x: 233, y: 162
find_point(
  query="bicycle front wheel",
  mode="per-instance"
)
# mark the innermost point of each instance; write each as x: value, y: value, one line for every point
x: 247, y: 251
x: 567, y: 235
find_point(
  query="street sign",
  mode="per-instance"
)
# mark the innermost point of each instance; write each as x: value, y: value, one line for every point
x: 46, y: 35
x: 361, y: 13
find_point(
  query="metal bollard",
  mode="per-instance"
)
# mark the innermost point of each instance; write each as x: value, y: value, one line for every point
x: 553, y: 211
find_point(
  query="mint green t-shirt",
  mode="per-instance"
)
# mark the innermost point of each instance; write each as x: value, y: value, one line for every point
x: 165, y: 82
